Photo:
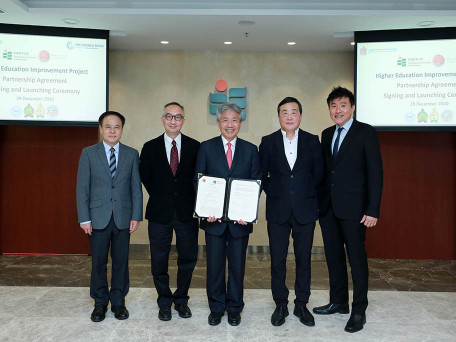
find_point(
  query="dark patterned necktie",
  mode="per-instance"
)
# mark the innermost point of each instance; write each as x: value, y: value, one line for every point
x: 336, y: 143
x: 112, y: 162
x: 174, y: 159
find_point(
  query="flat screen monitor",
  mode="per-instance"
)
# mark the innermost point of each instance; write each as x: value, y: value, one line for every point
x: 53, y: 76
x: 406, y: 79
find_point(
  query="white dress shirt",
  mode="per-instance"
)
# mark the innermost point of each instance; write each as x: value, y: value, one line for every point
x: 169, y: 145
x: 344, y: 132
x: 108, y: 152
x: 291, y: 147
x: 233, y: 145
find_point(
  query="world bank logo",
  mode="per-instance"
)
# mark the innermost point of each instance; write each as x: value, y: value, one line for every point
x: 438, y: 60
x: 70, y: 45
x: 223, y: 94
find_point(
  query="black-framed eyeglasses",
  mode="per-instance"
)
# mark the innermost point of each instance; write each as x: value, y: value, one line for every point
x: 170, y: 117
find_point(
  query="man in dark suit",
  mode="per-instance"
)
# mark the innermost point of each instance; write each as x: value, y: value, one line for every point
x: 349, y: 202
x: 227, y: 156
x: 167, y: 168
x: 109, y: 202
x: 292, y: 165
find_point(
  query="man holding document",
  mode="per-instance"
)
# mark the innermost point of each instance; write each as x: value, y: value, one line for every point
x: 219, y: 159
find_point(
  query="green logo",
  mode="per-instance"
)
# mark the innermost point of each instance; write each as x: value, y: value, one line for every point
x: 7, y: 55
x: 401, y: 62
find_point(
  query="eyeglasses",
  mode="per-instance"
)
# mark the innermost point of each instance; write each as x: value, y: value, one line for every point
x: 170, y: 117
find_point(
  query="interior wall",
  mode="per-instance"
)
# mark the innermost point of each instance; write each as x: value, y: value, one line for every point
x: 141, y: 82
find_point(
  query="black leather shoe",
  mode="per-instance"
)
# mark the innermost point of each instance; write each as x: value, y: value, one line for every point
x: 355, y: 323
x: 278, y: 317
x: 183, y: 310
x: 305, y: 317
x: 215, y: 318
x: 234, y: 318
x: 332, y: 308
x: 165, y: 313
x: 99, y: 313
x: 120, y: 312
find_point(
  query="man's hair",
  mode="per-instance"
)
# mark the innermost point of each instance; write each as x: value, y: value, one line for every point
x: 228, y: 106
x: 111, y: 112
x: 286, y: 100
x: 172, y: 104
x: 339, y: 92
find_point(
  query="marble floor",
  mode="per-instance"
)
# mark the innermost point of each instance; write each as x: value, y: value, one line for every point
x: 46, y: 298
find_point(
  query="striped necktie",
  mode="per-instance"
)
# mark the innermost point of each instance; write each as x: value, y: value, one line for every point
x: 112, y: 162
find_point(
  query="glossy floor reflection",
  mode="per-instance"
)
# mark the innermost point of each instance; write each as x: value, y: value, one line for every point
x: 385, y: 274
x: 46, y: 298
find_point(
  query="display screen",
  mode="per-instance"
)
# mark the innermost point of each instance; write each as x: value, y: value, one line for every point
x: 406, y: 84
x: 53, y: 76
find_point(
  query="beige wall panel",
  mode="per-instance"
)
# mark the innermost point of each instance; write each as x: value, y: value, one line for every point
x: 141, y: 82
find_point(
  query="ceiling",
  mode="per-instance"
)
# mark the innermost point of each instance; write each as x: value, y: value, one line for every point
x: 324, y: 26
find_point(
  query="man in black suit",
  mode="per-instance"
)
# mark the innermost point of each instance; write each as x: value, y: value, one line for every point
x: 349, y: 202
x: 227, y: 156
x: 167, y: 167
x: 292, y: 165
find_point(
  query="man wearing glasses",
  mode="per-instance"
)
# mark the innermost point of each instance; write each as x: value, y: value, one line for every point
x: 167, y: 167
x: 292, y: 163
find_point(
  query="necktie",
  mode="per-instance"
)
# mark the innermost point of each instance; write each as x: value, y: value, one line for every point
x: 229, y: 155
x: 112, y: 162
x: 174, y: 159
x: 336, y: 143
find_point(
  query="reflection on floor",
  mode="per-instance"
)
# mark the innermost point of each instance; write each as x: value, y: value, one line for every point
x: 46, y: 298
x: 385, y: 274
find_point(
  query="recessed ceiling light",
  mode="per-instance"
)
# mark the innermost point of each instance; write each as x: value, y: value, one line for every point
x: 164, y: 42
x: 352, y: 43
x: 291, y: 43
x: 246, y: 22
x: 71, y: 21
x: 227, y: 43
x: 426, y: 23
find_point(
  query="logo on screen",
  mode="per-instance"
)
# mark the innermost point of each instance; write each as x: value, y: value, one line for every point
x: 232, y: 95
x: 438, y: 60
x: 434, y: 116
x: 363, y: 51
x: 447, y: 115
x: 401, y: 62
x: 410, y: 117
x: 52, y: 111
x: 70, y: 45
x: 422, y: 116
x: 44, y: 56
x: 8, y: 55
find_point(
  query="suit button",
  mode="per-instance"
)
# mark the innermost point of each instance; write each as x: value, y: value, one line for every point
x: 292, y: 192
x: 332, y: 185
x: 175, y: 180
x: 291, y: 176
x: 175, y: 194
x: 333, y: 172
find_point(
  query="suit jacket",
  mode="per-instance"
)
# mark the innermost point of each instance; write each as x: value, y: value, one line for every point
x: 291, y: 190
x: 166, y: 191
x: 99, y: 196
x: 212, y: 162
x: 353, y: 180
